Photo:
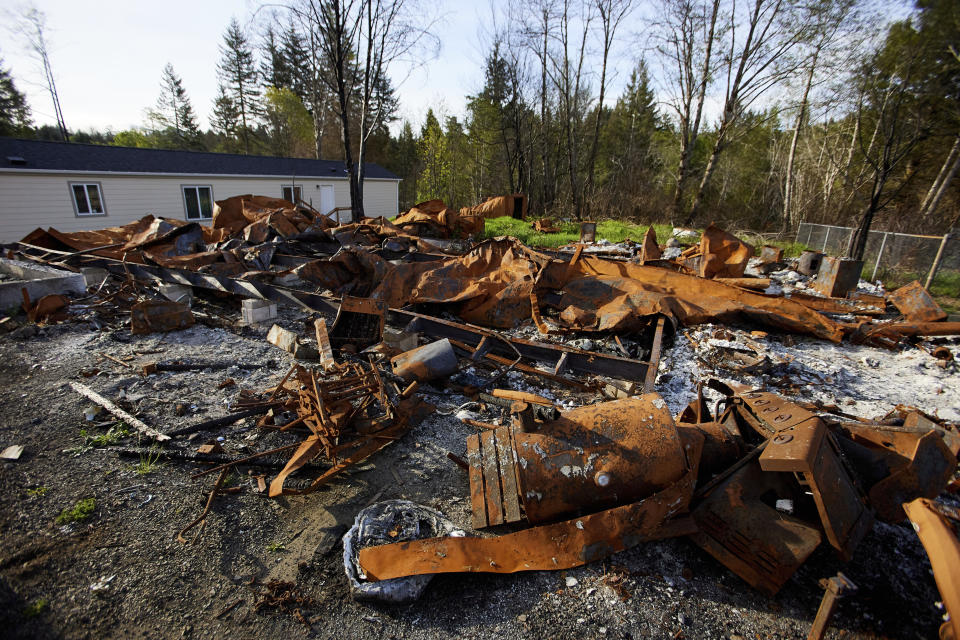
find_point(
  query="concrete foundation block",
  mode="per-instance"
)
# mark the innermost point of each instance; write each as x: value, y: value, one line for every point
x: 39, y: 280
x: 256, y: 311
x: 400, y: 339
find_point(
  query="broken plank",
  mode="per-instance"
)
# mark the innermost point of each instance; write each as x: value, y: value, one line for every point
x: 491, y: 478
x: 475, y: 472
x: 134, y: 422
x: 651, y: 377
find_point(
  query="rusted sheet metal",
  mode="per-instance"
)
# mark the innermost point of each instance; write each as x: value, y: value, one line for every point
x: 895, y: 331
x: 433, y: 218
x: 159, y: 315
x: 915, y: 463
x: 610, y: 295
x: 51, y: 307
x: 650, y: 250
x: 860, y: 305
x: 739, y: 527
x: 561, y: 545
x: 522, y: 396
x: 915, y: 303
x: 939, y: 538
x: 598, y: 456
x: 545, y: 225
x: 513, y: 206
x: 837, y: 276
x: 755, y: 284
x: 723, y: 254
x: 426, y: 363
x: 588, y: 232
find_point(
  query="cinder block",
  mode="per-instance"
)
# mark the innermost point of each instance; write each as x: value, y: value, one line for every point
x: 770, y: 253
x: 255, y: 311
x: 178, y: 293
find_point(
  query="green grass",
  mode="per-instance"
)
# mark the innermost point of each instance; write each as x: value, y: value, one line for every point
x: 276, y: 547
x: 79, y: 512
x: 37, y: 492
x: 612, y: 230
x: 147, y: 464
x: 35, y: 608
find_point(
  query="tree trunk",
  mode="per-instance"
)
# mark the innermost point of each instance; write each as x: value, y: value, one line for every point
x: 939, y: 186
x: 788, y: 217
x: 705, y: 180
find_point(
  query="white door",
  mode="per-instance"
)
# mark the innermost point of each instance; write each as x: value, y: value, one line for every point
x: 327, y: 202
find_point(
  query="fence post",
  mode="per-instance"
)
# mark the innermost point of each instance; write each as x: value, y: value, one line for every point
x: 809, y: 234
x: 876, y: 266
x: 936, y: 261
x: 826, y: 237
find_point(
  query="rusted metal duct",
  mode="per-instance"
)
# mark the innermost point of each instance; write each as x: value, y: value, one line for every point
x: 426, y: 363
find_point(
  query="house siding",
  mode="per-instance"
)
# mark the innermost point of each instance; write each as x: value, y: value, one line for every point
x: 31, y: 200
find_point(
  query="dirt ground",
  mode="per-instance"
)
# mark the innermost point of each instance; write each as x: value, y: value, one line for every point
x: 121, y: 573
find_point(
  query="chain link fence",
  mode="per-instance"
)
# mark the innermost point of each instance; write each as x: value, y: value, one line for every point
x: 894, y: 258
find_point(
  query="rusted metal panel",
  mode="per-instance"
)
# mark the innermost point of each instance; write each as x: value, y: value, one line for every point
x: 916, y: 304
x: 837, y: 276
x: 723, y: 254
x: 939, y: 537
x: 478, y: 505
x: 159, y: 315
x: 561, y: 545
x: 491, y: 478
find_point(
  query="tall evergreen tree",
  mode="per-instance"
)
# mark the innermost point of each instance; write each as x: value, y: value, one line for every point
x: 225, y: 120
x: 274, y: 71
x: 434, y: 178
x: 297, y: 63
x: 14, y: 112
x: 238, y: 79
x: 173, y: 117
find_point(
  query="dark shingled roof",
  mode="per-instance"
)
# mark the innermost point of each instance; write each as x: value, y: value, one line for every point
x: 63, y: 156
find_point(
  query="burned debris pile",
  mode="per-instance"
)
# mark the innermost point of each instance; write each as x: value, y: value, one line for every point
x: 756, y: 478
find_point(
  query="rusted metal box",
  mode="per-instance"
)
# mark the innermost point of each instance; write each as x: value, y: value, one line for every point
x: 809, y: 262
x: 837, y: 276
x: 588, y: 231
x: 770, y: 253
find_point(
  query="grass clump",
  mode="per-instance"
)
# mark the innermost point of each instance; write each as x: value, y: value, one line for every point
x: 37, y: 492
x: 79, y: 512
x: 148, y: 463
x: 35, y: 608
x: 276, y: 547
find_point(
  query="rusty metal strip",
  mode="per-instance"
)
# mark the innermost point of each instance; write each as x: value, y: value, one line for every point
x: 508, y: 475
x: 561, y: 545
x: 477, y: 502
x: 942, y: 546
x: 491, y: 478
x: 651, y: 377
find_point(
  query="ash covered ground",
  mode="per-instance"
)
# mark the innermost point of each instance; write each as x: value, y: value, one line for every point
x: 120, y: 572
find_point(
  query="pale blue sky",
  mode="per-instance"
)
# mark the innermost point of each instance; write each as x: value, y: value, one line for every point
x: 108, y: 56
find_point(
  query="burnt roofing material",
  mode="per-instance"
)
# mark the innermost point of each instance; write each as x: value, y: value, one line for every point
x: 42, y: 155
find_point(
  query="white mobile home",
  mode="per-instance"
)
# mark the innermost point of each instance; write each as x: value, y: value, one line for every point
x: 74, y: 187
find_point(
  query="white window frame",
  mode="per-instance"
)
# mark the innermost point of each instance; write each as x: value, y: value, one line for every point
x: 196, y: 188
x: 86, y: 195
x: 294, y: 189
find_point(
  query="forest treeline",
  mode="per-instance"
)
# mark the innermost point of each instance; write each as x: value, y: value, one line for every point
x: 754, y: 114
